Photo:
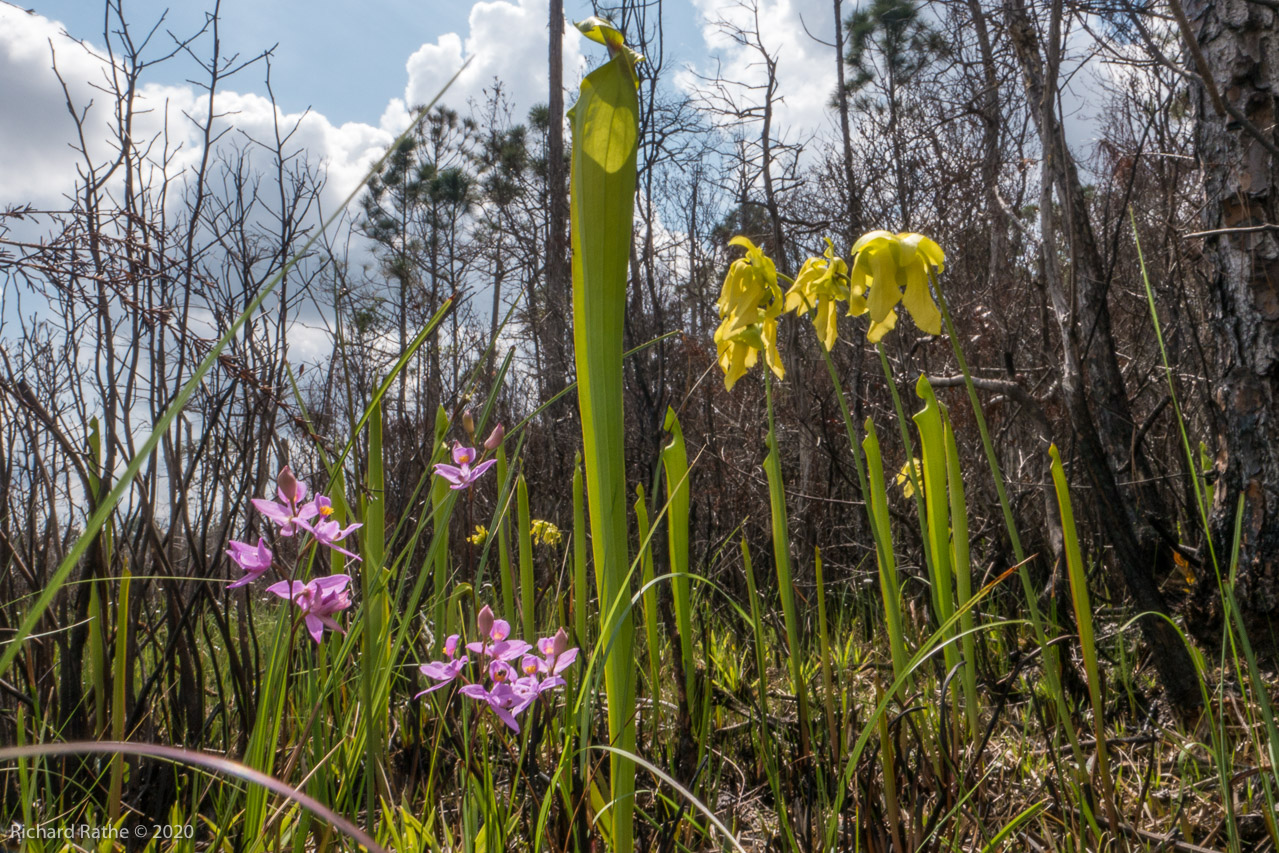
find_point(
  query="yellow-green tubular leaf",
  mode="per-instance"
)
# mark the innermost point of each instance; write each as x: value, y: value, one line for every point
x: 933, y: 460
x: 440, y: 495
x: 649, y: 599
x: 602, y: 31
x: 527, y: 592
x: 961, y: 567
x: 506, y: 580
x: 675, y: 463
x: 602, y: 188
x: 375, y: 608
x: 890, y: 590
x: 781, y: 558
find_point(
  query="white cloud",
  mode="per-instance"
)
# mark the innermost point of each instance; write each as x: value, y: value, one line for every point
x: 508, y: 41
x: 805, y: 68
x: 507, y: 38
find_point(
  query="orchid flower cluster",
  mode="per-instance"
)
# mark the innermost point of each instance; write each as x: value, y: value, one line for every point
x: 464, y: 471
x: 887, y: 269
x: 507, y: 687
x: 318, y: 599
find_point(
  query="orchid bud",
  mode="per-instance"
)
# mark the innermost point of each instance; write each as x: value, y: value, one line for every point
x: 495, y: 438
x: 468, y: 424
x: 288, y: 485
x: 560, y: 644
x: 484, y: 621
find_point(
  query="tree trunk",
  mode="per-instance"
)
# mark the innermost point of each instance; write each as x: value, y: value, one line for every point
x: 852, y: 200
x: 1091, y: 382
x: 1234, y: 49
x: 557, y: 269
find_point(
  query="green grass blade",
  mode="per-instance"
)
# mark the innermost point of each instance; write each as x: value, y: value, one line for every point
x: 675, y: 466
x: 1087, y: 636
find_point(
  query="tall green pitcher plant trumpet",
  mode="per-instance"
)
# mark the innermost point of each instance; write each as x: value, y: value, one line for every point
x: 605, y: 129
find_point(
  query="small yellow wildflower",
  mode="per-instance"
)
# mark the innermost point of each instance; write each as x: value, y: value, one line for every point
x: 546, y: 533
x: 891, y: 268
x: 904, y: 481
x: 480, y: 536
x: 821, y: 283
x: 749, y: 303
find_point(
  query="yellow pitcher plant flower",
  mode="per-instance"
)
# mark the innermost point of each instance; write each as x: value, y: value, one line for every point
x: 545, y: 533
x: 749, y: 305
x: 904, y: 481
x: 821, y: 283
x: 891, y: 268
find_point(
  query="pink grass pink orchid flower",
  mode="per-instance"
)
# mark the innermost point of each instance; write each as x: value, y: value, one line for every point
x: 497, y: 631
x: 288, y: 511
x: 327, y: 530
x: 447, y: 670
x: 460, y: 475
x: 318, y: 600
x: 254, y: 559
x: 505, y: 700
x: 558, y: 656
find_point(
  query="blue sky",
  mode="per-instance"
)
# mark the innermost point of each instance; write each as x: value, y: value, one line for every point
x: 358, y: 67
x: 344, y: 59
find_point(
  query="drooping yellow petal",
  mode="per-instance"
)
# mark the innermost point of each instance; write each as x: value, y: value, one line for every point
x: 826, y: 324
x: 772, y: 357
x: 884, y: 293
x: 919, y: 302
x: 877, y: 330
x: 934, y: 254
x: 904, y: 480
x: 871, y: 237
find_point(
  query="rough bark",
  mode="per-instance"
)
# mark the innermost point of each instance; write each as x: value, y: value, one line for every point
x: 1235, y: 49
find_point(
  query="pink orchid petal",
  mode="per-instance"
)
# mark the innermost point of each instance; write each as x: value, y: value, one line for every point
x: 563, y: 661
x: 432, y: 688
x: 285, y: 589
x: 448, y: 472
x: 331, y: 582
x: 315, y: 626
x: 272, y: 510
x: 248, y: 578
x: 506, y: 717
